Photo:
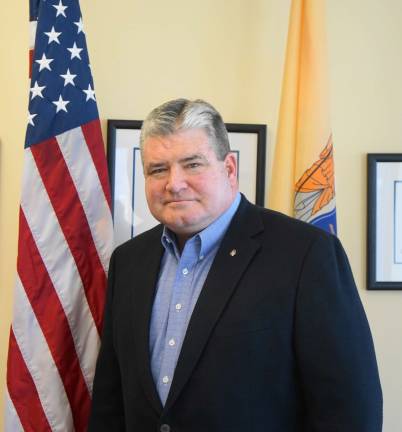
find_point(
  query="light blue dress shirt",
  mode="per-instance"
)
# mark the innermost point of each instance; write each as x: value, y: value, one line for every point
x: 180, y: 281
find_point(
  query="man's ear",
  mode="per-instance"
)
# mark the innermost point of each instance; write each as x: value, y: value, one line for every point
x: 231, y: 166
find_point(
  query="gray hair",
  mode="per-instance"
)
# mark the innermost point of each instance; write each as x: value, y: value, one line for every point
x: 182, y: 114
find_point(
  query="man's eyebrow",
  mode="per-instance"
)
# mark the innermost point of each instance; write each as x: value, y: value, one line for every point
x: 187, y: 159
x: 193, y: 158
x: 156, y: 164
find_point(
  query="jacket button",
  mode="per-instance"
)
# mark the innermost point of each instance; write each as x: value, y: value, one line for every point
x: 165, y: 428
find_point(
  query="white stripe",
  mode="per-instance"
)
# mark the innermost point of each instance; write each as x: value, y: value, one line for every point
x: 61, y: 267
x: 85, y: 177
x: 12, y: 422
x: 32, y: 33
x: 40, y: 364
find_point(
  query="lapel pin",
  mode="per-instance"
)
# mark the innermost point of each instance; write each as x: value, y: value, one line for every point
x: 233, y: 252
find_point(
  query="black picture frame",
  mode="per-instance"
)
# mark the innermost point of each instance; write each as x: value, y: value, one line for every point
x: 250, y: 144
x: 384, y: 221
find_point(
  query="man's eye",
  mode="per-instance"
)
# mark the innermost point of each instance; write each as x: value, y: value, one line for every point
x: 156, y: 171
x: 193, y: 165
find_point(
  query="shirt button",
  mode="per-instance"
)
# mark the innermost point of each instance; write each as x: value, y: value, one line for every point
x: 185, y: 271
x: 201, y: 257
x: 178, y: 306
x: 165, y: 379
x: 165, y: 428
x: 172, y: 342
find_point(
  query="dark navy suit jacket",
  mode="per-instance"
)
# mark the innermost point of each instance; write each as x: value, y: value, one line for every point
x: 278, y: 340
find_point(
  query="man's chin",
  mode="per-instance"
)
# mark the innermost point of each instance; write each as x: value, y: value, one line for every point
x: 184, y: 226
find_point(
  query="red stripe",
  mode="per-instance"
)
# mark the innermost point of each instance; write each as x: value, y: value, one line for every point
x: 31, y: 57
x: 53, y: 322
x: 70, y: 213
x: 23, y: 392
x: 93, y: 137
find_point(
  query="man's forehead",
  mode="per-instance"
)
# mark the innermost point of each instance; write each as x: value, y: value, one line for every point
x: 184, y: 158
x: 186, y: 143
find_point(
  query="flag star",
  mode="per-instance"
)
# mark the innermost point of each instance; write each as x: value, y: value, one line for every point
x: 90, y: 93
x: 44, y: 63
x: 61, y: 104
x: 53, y: 36
x: 60, y: 9
x: 68, y: 78
x: 80, y: 26
x: 30, y: 118
x: 75, y: 51
x: 37, y: 90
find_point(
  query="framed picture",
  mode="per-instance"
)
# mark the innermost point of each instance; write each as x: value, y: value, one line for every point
x: 384, y: 221
x: 130, y: 211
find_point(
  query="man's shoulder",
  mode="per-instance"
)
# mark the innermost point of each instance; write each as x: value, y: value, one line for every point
x: 288, y: 237
x: 141, y: 243
x: 278, y: 224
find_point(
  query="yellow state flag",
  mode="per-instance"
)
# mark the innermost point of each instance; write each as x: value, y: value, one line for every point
x: 303, y: 170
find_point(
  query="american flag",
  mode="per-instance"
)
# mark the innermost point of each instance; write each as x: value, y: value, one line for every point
x: 65, y: 233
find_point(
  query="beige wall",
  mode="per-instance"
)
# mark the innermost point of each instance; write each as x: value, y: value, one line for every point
x: 230, y: 53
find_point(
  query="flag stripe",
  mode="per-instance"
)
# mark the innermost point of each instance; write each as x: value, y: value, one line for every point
x: 61, y: 267
x: 40, y: 364
x: 86, y: 181
x: 11, y: 420
x: 32, y: 33
x: 70, y: 213
x: 31, y: 56
x: 94, y: 140
x: 48, y: 310
x: 24, y: 394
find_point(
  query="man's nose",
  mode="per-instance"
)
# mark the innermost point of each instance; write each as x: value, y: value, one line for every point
x: 176, y: 180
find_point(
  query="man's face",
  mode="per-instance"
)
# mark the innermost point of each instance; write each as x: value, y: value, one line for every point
x: 186, y: 186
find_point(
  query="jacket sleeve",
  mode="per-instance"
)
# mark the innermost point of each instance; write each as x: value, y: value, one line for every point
x: 107, y: 412
x: 334, y: 347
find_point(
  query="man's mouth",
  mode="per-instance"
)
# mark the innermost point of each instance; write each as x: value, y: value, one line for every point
x: 178, y: 201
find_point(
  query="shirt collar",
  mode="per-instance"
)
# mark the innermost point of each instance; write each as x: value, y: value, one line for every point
x: 209, y: 237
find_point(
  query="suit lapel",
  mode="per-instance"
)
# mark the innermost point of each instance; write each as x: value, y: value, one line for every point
x: 236, y: 251
x: 145, y: 280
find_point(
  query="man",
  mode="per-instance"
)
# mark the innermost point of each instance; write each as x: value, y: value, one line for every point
x: 228, y: 317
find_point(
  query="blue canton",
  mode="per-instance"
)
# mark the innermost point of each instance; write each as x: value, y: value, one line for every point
x: 180, y: 282
x: 62, y: 89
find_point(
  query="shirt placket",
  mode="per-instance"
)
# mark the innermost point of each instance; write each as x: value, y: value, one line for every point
x: 178, y: 316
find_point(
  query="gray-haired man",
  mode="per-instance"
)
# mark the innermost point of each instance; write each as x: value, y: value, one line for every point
x: 228, y: 317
